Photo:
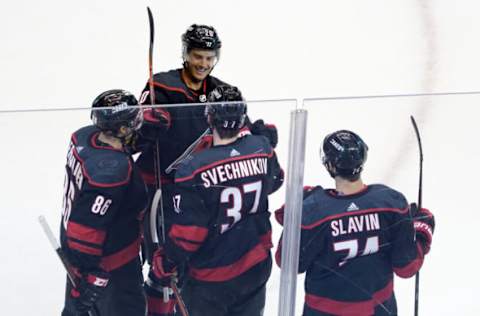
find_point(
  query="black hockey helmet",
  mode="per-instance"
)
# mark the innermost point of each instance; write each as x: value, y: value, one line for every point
x: 346, y: 152
x: 116, y: 111
x: 201, y: 37
x: 229, y: 115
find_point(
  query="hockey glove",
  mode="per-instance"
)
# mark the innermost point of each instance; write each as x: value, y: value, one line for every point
x: 267, y: 130
x: 163, y: 270
x: 89, y: 289
x: 156, y: 122
x: 424, y: 225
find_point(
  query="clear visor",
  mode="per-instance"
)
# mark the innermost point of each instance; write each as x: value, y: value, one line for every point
x: 137, y: 122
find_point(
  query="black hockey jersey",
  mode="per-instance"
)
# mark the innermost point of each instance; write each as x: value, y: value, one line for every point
x: 104, y: 202
x: 222, y: 224
x: 350, y: 248
x: 187, y: 122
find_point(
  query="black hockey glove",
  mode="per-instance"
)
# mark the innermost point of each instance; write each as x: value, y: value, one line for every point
x: 424, y: 225
x: 267, y: 130
x: 156, y: 122
x: 89, y: 289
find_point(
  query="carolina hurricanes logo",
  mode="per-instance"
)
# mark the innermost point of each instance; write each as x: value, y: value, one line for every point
x: 202, y: 98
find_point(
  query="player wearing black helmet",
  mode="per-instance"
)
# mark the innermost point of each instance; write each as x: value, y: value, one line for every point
x: 176, y: 128
x: 354, y: 238
x: 103, y: 205
x: 221, y: 228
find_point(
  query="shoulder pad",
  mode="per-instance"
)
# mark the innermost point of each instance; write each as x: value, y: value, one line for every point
x: 107, y: 169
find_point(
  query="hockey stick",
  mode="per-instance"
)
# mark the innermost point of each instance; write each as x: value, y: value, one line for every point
x: 158, y: 182
x: 420, y: 182
x: 186, y: 153
x: 61, y: 255
x: 157, y: 198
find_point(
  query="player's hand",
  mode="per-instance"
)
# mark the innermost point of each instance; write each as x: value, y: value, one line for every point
x: 267, y: 130
x: 423, y: 224
x: 156, y: 121
x: 89, y: 289
x: 163, y: 270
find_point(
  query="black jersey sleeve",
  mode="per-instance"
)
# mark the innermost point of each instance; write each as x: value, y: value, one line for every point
x: 312, y: 238
x: 190, y: 224
x: 161, y: 97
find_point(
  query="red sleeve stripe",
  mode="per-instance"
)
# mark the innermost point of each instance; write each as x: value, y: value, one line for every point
x: 186, y: 245
x: 85, y: 233
x: 228, y: 272
x: 189, y: 233
x: 84, y: 248
x: 370, y: 210
x: 363, y: 308
x: 413, y: 267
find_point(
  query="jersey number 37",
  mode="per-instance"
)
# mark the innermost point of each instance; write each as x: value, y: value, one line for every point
x: 235, y: 200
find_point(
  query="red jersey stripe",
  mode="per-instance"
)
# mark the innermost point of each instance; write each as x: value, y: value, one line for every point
x: 122, y: 257
x: 413, y: 267
x: 220, y: 274
x: 189, y: 233
x: 84, y: 248
x: 364, y: 308
x: 85, y: 233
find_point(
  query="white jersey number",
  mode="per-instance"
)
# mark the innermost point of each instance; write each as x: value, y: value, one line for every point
x: 234, y: 198
x: 351, y: 246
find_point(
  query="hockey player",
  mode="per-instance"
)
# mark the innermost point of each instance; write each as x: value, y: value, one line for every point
x: 221, y: 228
x: 190, y: 84
x: 176, y: 128
x: 104, y: 202
x: 356, y: 236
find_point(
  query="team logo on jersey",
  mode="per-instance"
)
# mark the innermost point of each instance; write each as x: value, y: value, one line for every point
x: 352, y: 207
x: 202, y: 98
x: 234, y: 153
